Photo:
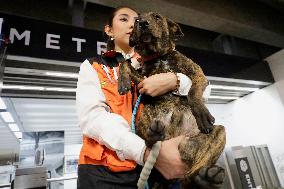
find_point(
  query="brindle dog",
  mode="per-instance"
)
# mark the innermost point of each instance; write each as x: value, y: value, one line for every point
x: 170, y: 115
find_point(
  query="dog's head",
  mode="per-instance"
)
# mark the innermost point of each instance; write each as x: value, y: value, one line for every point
x: 153, y: 33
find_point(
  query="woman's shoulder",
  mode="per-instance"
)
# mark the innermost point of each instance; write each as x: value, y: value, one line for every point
x: 109, y: 58
x: 93, y: 60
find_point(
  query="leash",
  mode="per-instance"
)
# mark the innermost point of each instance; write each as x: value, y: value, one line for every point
x: 137, y: 103
x: 133, y: 127
x: 151, y: 160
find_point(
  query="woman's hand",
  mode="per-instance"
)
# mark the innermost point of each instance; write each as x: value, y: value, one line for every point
x: 169, y: 163
x: 158, y: 84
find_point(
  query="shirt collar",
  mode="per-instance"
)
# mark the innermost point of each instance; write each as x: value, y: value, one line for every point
x: 133, y: 56
x: 127, y: 56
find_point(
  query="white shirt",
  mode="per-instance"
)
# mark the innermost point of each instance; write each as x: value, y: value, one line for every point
x: 109, y: 129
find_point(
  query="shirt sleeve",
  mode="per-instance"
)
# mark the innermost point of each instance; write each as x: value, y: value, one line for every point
x: 207, y: 92
x: 97, y: 122
x: 184, y: 85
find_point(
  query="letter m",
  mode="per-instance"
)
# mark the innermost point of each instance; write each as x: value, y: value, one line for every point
x: 26, y: 34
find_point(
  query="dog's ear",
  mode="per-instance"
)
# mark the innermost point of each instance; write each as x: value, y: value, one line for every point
x: 175, y: 30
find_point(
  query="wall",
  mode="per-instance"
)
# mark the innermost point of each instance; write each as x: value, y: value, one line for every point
x: 258, y: 118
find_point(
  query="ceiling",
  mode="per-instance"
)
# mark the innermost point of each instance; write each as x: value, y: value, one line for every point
x: 255, y: 20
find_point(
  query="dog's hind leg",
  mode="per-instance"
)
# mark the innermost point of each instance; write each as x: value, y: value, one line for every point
x: 175, y: 123
x: 207, y: 178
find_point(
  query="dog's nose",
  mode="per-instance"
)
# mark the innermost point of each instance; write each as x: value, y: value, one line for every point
x: 143, y: 24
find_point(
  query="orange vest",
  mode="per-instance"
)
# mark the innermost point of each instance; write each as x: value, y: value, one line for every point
x: 94, y: 153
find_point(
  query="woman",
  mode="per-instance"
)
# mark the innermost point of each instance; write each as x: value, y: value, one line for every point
x: 110, y: 152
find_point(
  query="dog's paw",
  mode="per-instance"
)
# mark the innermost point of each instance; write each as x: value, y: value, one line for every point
x: 203, y: 117
x: 124, y: 86
x: 156, y: 132
x: 210, y: 177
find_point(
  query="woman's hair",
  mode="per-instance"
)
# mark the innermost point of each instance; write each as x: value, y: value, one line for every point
x: 110, y: 43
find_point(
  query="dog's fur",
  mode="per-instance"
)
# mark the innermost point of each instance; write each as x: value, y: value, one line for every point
x: 170, y: 115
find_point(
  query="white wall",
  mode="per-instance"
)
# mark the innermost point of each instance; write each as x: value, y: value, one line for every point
x: 258, y: 118
x: 276, y: 64
x: 254, y: 119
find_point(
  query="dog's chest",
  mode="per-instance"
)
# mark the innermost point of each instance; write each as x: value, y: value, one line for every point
x: 157, y: 66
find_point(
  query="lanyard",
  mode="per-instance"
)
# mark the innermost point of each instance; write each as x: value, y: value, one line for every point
x: 105, y: 68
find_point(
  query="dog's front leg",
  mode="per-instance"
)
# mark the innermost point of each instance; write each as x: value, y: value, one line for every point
x: 135, y: 75
x: 202, y: 115
x: 127, y: 74
x: 124, y: 79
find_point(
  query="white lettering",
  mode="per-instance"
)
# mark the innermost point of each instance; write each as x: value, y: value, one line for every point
x: 101, y: 47
x: 26, y: 35
x: 1, y: 22
x: 79, y: 41
x: 49, y: 40
x: 248, y: 180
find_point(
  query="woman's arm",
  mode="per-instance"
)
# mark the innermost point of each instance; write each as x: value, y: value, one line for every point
x: 162, y: 83
x: 97, y: 122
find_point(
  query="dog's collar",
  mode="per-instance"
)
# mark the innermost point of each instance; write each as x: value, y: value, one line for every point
x: 113, y: 54
x: 149, y: 58
x: 155, y: 56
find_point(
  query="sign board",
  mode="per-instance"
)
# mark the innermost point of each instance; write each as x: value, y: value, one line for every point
x: 245, y: 173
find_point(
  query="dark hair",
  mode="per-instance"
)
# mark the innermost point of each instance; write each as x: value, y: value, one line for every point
x: 110, y: 43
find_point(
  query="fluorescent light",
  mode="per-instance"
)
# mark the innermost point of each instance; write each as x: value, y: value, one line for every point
x: 2, y: 104
x: 7, y: 117
x: 22, y: 87
x: 19, y: 135
x: 62, y: 74
x: 60, y: 89
x: 224, y: 97
x: 14, y: 127
x: 234, y: 88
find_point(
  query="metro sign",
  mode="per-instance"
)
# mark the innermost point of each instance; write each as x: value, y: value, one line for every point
x: 41, y: 39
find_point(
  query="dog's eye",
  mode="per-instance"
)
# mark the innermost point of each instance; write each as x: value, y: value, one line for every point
x: 158, y: 17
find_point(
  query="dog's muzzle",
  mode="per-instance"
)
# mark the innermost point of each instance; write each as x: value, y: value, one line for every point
x: 140, y: 32
x: 143, y: 24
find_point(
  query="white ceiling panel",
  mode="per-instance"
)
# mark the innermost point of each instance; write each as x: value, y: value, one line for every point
x: 49, y: 115
x: 34, y: 115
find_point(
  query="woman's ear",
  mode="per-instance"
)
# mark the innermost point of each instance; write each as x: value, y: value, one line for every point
x: 108, y: 30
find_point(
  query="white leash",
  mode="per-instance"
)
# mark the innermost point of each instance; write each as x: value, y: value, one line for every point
x: 149, y: 164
